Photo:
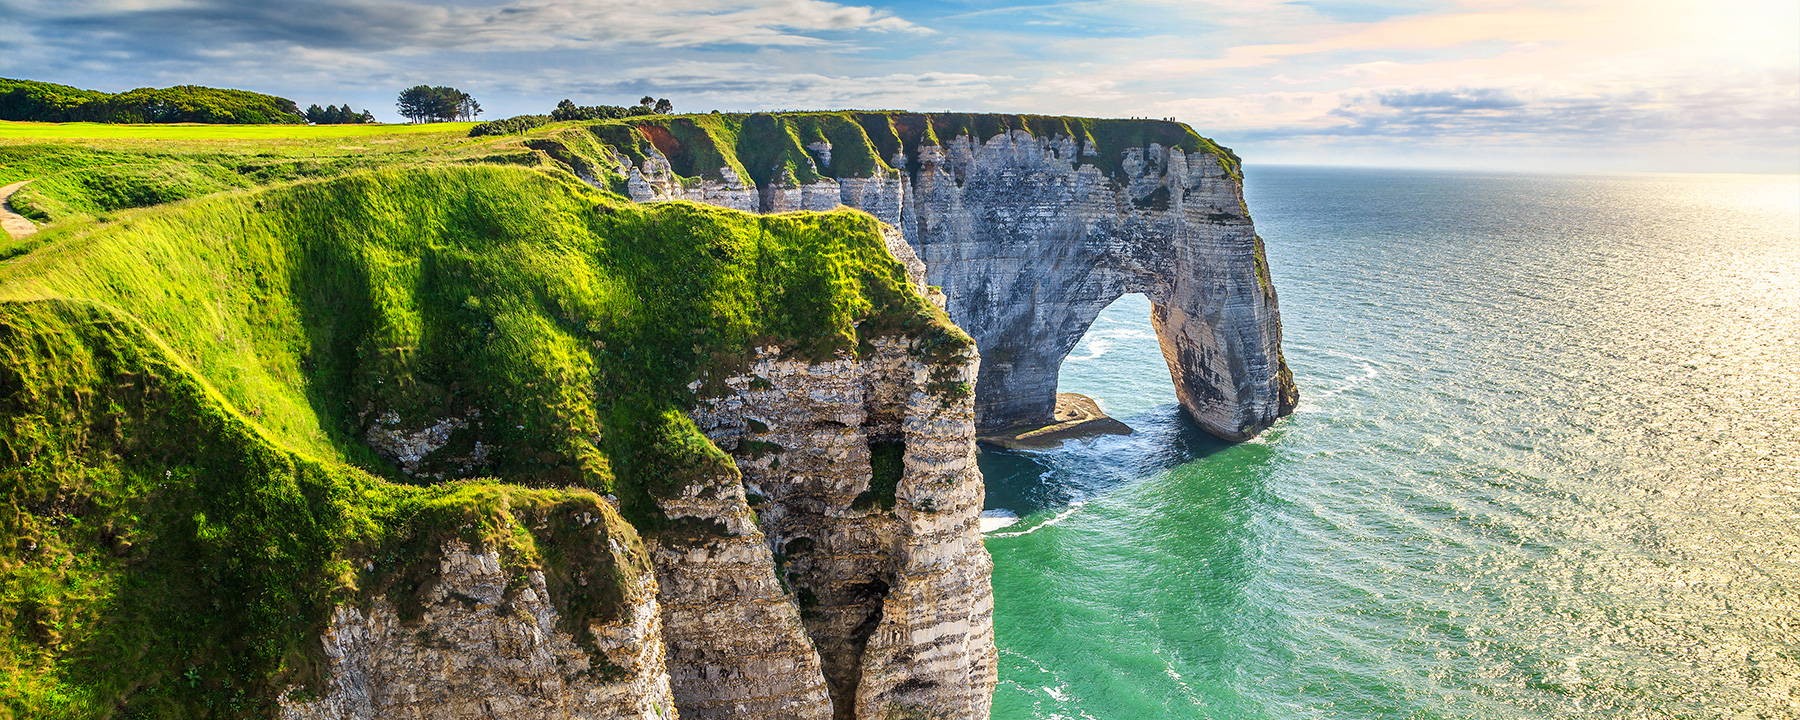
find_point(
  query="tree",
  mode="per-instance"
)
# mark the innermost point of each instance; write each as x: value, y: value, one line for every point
x: 664, y: 107
x: 423, y: 103
x: 315, y: 114
x: 417, y: 103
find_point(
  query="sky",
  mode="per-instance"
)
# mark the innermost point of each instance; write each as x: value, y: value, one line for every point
x: 1596, y: 85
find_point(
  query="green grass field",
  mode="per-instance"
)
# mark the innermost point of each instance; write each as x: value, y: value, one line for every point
x: 103, y: 131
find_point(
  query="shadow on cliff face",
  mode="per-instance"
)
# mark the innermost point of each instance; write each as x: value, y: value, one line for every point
x: 1025, y: 482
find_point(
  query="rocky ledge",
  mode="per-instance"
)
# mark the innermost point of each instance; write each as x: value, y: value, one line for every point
x: 1077, y: 416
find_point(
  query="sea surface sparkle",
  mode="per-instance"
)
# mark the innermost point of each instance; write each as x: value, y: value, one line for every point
x: 1547, y: 466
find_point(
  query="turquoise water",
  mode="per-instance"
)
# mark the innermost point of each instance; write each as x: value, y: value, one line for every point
x: 1547, y: 465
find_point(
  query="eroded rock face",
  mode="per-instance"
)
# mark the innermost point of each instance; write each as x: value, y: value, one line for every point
x: 1030, y: 240
x: 848, y: 579
x: 478, y: 651
x: 736, y: 645
x: 866, y: 490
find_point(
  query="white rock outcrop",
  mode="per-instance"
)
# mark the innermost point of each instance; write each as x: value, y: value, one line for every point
x: 479, y: 651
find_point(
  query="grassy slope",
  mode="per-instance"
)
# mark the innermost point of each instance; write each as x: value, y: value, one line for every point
x: 276, y: 322
x: 82, y: 176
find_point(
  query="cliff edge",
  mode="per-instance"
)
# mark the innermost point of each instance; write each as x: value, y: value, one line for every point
x: 1030, y: 225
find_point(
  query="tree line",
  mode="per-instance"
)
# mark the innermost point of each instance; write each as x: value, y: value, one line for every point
x: 334, y: 115
x: 567, y: 110
x: 49, y: 102
x: 426, y: 103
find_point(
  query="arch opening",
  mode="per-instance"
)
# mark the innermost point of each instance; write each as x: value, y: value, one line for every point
x: 1118, y: 362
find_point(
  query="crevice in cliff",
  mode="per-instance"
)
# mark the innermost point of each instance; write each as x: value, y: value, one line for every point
x: 846, y: 613
x: 843, y: 684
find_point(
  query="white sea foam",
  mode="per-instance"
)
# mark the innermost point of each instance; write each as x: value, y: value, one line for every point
x: 1099, y: 342
x: 997, y: 518
x: 1061, y: 516
x: 1094, y: 346
x: 1180, y: 682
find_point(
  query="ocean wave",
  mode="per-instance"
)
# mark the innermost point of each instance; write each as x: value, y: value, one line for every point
x: 1095, y: 347
x: 1061, y: 516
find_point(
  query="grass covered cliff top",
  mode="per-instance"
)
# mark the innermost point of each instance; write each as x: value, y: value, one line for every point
x: 186, y: 392
x: 766, y: 147
x: 88, y: 170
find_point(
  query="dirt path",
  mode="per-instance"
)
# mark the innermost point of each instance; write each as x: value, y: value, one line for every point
x: 15, y: 224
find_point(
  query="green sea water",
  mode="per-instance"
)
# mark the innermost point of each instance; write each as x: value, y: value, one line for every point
x: 1547, y: 465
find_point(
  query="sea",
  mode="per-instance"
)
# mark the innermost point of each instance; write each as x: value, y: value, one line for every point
x: 1546, y: 465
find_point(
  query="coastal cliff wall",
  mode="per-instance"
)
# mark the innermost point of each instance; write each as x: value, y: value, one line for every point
x: 1031, y: 226
x: 861, y: 472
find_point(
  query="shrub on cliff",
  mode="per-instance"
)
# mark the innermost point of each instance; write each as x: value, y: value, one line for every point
x: 509, y: 126
x: 568, y: 110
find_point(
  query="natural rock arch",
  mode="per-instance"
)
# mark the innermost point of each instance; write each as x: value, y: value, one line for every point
x: 1029, y: 244
x: 1030, y: 232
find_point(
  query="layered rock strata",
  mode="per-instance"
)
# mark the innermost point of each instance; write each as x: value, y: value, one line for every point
x: 866, y: 489
x: 482, y: 649
x: 837, y: 572
x: 865, y: 497
x: 1030, y: 241
x: 653, y: 179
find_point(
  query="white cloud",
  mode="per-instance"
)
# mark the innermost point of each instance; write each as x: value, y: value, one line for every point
x: 387, y: 25
x: 1473, y: 78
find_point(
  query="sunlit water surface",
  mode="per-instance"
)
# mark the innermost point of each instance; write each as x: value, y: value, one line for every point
x: 1547, y: 465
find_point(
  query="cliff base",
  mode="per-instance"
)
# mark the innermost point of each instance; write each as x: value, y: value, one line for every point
x: 1077, y: 416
